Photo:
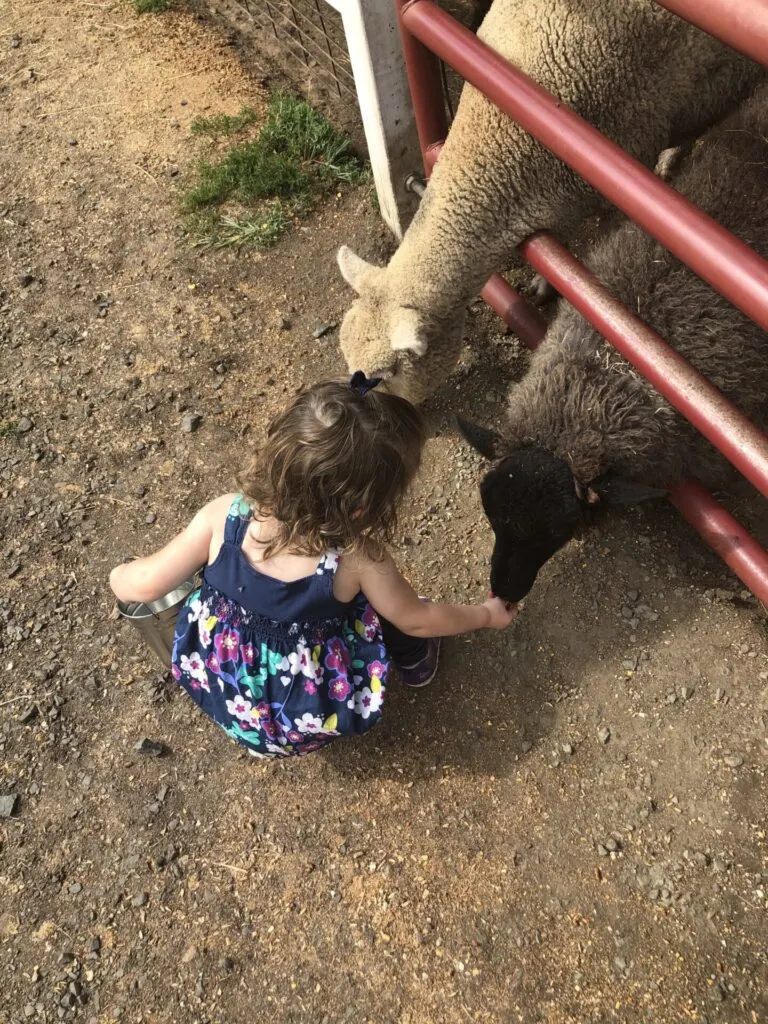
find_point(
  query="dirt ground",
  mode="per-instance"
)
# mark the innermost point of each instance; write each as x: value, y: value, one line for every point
x: 489, y: 853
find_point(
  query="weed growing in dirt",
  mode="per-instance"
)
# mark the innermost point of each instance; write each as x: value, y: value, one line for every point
x: 223, y: 124
x: 150, y: 6
x: 260, y: 231
x: 296, y: 155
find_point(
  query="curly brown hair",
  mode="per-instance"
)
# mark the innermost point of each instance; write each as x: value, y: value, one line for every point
x: 334, y: 468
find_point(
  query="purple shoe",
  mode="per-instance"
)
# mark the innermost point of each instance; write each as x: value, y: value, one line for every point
x: 423, y: 671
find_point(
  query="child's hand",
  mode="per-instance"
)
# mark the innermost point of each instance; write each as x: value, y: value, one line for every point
x: 502, y: 613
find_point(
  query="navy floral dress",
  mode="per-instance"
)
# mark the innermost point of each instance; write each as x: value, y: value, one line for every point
x: 283, y: 668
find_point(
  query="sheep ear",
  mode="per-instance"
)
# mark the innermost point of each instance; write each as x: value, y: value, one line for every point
x: 620, y: 490
x: 353, y: 267
x: 483, y: 440
x: 407, y: 333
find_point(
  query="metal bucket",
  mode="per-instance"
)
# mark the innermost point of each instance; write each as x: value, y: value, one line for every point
x: 156, y: 620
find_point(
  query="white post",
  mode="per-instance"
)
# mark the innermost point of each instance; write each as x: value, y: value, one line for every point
x: 376, y: 55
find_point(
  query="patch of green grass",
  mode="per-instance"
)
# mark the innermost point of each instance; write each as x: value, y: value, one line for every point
x: 150, y: 6
x: 7, y: 428
x: 223, y: 124
x: 296, y: 155
x: 248, y: 172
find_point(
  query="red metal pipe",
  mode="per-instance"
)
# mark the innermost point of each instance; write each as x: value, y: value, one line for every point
x: 525, y: 320
x: 724, y: 534
x: 683, y: 386
x: 426, y: 86
x: 715, y: 254
x: 742, y: 24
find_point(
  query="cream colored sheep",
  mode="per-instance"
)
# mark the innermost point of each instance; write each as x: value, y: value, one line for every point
x: 642, y: 76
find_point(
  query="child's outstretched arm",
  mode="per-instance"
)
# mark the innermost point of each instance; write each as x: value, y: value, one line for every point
x: 395, y: 599
x: 147, y: 579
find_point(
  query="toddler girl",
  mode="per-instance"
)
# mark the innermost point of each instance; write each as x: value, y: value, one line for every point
x: 289, y: 640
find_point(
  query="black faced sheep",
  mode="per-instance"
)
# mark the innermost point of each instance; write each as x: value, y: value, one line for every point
x: 582, y: 426
x: 642, y: 76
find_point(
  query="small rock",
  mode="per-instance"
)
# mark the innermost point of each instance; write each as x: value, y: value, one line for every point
x: 29, y: 714
x: 190, y: 423
x: 733, y: 760
x: 150, y: 748
x: 140, y: 900
x: 189, y: 954
x: 95, y: 944
x: 226, y: 964
x: 173, y: 170
x: 526, y: 746
x: 686, y: 692
x: 24, y: 425
x: 72, y: 142
x: 321, y: 330
x: 150, y: 518
x: 15, y: 42
x: 601, y: 850
x: 75, y: 888
x: 567, y: 748
x: 8, y: 804
x: 284, y: 323
x: 604, y: 734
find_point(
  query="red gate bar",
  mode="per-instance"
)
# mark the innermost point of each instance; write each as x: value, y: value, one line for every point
x: 715, y: 254
x: 524, y: 319
x: 716, y: 526
x: 425, y: 82
x: 683, y: 386
x: 519, y: 314
x: 724, y: 534
x: 741, y: 24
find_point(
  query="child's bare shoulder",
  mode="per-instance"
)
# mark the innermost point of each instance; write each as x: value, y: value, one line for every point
x: 362, y: 563
x: 216, y: 511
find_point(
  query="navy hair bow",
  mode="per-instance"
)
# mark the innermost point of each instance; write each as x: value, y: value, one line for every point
x: 361, y: 384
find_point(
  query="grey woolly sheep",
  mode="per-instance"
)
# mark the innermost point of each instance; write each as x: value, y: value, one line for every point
x: 582, y: 427
x: 642, y: 76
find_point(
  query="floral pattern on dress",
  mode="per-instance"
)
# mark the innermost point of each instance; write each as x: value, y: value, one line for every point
x: 280, y: 689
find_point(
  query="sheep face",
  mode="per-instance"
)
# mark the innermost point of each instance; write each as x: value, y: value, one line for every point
x: 531, y: 503
x: 535, y: 505
x: 391, y: 339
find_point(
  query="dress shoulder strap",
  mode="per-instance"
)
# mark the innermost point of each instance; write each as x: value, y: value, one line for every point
x: 329, y: 563
x: 239, y: 515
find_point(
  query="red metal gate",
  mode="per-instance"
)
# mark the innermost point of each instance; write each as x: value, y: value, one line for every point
x: 717, y: 256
